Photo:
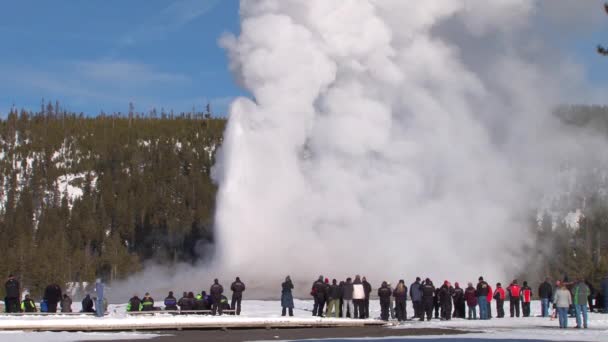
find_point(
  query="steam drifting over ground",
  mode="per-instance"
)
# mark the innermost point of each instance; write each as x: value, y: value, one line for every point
x: 390, y: 138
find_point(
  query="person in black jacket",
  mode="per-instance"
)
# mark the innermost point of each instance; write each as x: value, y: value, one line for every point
x: 237, y: 288
x: 384, y: 294
x: 12, y: 294
x: 483, y: 290
x: 428, y: 297
x: 216, y: 292
x: 436, y: 302
x: 445, y: 300
x: 341, y: 303
x: 400, y: 294
x: 545, y: 293
x: 318, y: 292
x: 333, y: 299
x: 459, y: 306
x: 187, y: 302
x: 591, y: 295
x: 367, y: 288
x: 87, y: 304
x: 52, y: 294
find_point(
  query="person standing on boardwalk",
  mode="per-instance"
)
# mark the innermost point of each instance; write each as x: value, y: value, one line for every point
x: 12, y: 292
x: 514, y: 293
x: 237, y: 288
x: 287, y: 297
x: 482, y: 298
x: 358, y: 298
x: 545, y: 292
x: 579, y: 300
x: 526, y: 298
x: 562, y: 300
x: 216, y: 292
x: 428, y: 298
x: 470, y: 296
x: 384, y: 294
x: 367, y: 288
x: 499, y: 296
x: 416, y: 297
x: 400, y: 294
x: 347, y: 296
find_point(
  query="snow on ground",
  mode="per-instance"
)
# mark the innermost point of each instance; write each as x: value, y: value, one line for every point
x: 531, y: 328
x: 23, y: 336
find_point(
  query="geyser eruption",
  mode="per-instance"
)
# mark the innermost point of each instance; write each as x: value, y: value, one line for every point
x: 386, y: 138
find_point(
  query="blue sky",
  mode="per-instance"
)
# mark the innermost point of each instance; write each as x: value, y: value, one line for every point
x: 99, y: 55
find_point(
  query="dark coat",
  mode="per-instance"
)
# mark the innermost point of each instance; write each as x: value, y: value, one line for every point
x: 428, y: 292
x: 384, y: 293
x: 470, y: 295
x: 216, y: 291
x: 319, y: 290
x: 52, y: 293
x: 170, y: 303
x: 286, y: 296
x: 415, y: 292
x: 347, y: 293
x: 333, y: 292
x: 367, y: 288
x: 12, y: 288
x: 237, y: 288
x: 87, y: 304
x: 400, y: 296
x: 545, y: 290
x: 604, y: 286
x: 482, y: 289
x: 445, y: 294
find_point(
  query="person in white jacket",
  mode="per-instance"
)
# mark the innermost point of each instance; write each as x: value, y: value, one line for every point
x: 358, y: 298
x: 562, y: 299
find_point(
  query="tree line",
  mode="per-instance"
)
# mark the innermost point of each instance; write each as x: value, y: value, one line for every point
x: 85, y: 197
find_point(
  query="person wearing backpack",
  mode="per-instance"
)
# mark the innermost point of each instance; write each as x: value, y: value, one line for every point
x: 28, y: 305
x: 318, y: 293
x: 12, y: 294
x: 526, y: 298
x: 400, y: 294
x: 514, y: 293
x: 580, y: 292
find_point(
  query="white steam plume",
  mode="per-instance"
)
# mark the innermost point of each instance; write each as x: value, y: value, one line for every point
x: 386, y: 138
x: 389, y: 138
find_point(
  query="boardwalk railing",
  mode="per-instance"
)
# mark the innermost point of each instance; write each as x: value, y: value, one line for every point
x: 177, y: 312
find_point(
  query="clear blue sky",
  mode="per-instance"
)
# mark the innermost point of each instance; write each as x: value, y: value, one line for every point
x: 101, y: 54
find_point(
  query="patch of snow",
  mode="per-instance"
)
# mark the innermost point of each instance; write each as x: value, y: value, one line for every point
x: 572, y: 219
x: 26, y: 336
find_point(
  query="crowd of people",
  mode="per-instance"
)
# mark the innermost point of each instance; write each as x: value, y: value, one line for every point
x: 213, y: 303
x: 351, y: 298
x: 52, y: 300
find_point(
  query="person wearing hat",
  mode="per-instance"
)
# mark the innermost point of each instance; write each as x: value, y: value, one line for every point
x: 445, y: 300
x: 147, y: 303
x: 28, y: 305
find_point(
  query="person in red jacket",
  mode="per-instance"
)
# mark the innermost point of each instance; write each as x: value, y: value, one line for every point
x: 489, y: 299
x: 499, y: 295
x: 514, y: 292
x: 526, y: 298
